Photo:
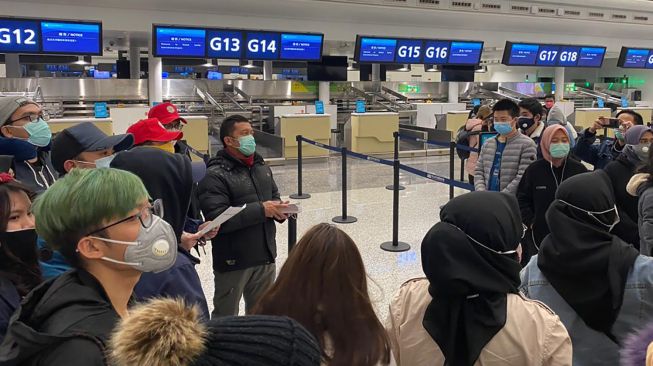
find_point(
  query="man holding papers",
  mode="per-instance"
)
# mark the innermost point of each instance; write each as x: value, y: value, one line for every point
x: 245, y: 248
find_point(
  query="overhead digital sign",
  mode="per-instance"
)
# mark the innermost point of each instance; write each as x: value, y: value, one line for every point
x: 530, y: 54
x: 40, y: 36
x: 180, y: 42
x: 200, y: 42
x: 305, y: 47
x: 636, y: 58
x: 417, y: 51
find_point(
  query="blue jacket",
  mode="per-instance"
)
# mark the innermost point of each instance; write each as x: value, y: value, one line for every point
x: 54, y: 266
x: 590, y: 346
x: 180, y: 281
x: 598, y: 155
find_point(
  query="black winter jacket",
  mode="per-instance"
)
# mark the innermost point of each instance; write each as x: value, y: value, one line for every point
x: 66, y: 321
x: 535, y: 194
x: 620, y: 171
x: 248, y: 239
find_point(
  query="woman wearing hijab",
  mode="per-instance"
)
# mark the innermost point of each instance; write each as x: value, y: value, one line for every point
x: 468, y: 310
x: 621, y: 170
x: 599, y: 285
x: 539, y: 184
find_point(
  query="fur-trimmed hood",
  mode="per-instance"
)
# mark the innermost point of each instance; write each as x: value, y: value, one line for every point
x: 162, y: 332
x: 634, y: 351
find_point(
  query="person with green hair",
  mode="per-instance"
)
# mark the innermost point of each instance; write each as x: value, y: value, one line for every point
x: 103, y: 223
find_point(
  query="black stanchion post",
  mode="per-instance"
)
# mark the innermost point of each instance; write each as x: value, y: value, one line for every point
x: 452, y: 166
x: 344, y: 219
x: 462, y: 170
x: 300, y: 195
x: 395, y: 245
x: 292, y: 232
x: 396, y: 157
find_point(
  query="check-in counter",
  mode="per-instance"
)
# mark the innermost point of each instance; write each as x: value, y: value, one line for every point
x: 426, y: 112
x: 585, y: 117
x: 316, y: 127
x: 196, y: 132
x: 455, y: 120
x: 59, y: 124
x: 372, y: 132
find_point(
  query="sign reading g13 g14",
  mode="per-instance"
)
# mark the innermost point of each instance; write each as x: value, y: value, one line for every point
x: 40, y: 36
x: 236, y: 44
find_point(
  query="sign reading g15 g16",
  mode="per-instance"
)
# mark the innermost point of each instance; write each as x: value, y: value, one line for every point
x: 417, y: 51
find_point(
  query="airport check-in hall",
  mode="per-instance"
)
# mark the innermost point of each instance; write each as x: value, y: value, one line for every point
x: 326, y: 182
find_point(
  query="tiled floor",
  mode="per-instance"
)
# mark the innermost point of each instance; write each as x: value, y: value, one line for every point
x: 371, y: 203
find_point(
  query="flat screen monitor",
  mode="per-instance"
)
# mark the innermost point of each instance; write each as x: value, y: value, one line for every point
x: 635, y: 58
x: 179, y: 42
x: 552, y: 55
x: 301, y: 46
x: 376, y: 50
x: 331, y: 68
x: 71, y: 37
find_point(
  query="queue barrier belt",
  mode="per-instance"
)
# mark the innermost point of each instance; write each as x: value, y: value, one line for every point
x: 437, y: 143
x: 406, y: 168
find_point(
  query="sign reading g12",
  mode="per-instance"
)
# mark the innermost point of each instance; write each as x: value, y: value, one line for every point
x: 19, y: 36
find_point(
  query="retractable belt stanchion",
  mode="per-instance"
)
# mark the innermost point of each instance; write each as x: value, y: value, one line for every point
x: 395, y: 245
x: 462, y: 170
x: 299, y: 195
x: 452, y: 166
x: 344, y: 219
x: 292, y: 232
x: 396, y: 157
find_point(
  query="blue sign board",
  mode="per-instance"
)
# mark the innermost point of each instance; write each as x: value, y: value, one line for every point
x: 600, y: 102
x: 39, y: 36
x: 417, y: 51
x: 527, y: 54
x: 19, y: 36
x: 101, y: 110
x: 262, y: 46
x: 476, y: 102
x: 101, y: 75
x: 376, y: 49
x: 225, y: 44
x: 360, y: 106
x: 319, y: 107
x: 214, y: 75
x: 68, y: 37
x: 636, y: 58
x: 305, y: 47
x: 624, y: 102
x: 179, y: 42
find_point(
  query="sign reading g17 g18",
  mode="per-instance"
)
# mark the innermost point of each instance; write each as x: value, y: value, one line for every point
x: 528, y: 54
x: 39, y: 36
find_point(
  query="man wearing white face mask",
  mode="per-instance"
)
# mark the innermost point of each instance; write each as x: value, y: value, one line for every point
x: 25, y: 135
x: 86, y: 146
x: 504, y: 159
x: 102, y: 222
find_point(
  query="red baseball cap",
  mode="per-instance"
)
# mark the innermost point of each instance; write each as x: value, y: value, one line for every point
x: 166, y: 113
x: 152, y: 130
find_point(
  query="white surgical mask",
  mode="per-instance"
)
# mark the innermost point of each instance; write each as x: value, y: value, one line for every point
x: 592, y: 213
x: 508, y: 252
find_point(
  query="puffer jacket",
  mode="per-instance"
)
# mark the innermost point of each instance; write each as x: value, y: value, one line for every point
x: 248, y: 239
x: 473, y: 125
x: 533, y: 334
x: 519, y: 153
x: 640, y: 185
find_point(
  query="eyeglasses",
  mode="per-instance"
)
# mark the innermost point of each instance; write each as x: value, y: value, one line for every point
x: 175, y: 126
x: 33, y: 117
x: 145, y: 216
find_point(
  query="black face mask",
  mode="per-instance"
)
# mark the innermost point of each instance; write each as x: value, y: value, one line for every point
x: 525, y: 123
x: 22, y: 244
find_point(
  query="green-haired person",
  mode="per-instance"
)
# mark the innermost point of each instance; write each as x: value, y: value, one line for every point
x: 101, y: 220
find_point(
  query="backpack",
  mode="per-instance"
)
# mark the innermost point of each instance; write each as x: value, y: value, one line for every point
x: 462, y: 138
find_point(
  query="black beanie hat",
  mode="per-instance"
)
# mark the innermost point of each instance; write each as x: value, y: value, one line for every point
x: 166, y: 332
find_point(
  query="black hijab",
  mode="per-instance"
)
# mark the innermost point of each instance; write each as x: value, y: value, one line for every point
x: 469, y: 283
x: 584, y: 262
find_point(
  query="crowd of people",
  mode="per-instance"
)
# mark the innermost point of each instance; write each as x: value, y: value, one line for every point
x: 546, y: 263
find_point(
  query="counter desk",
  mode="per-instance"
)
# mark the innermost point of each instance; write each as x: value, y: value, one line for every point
x: 316, y: 127
x: 372, y: 132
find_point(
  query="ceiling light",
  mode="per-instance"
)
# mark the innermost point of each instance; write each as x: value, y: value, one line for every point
x: 249, y: 65
x: 83, y: 60
x: 405, y: 68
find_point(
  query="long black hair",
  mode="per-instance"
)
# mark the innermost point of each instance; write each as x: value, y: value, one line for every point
x: 25, y: 276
